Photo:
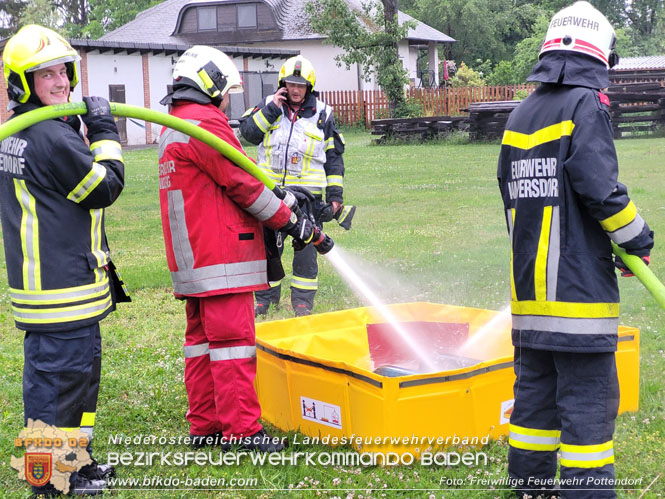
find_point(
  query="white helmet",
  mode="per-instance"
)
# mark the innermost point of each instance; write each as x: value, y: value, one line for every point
x: 582, y: 28
x: 211, y: 70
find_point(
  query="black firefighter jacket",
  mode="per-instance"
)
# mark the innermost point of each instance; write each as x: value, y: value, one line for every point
x: 53, y: 189
x: 558, y: 178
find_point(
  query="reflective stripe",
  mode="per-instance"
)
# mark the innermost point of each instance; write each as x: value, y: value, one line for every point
x: 566, y: 324
x: 196, y: 350
x: 553, y: 255
x: 88, y: 419
x: 565, y: 309
x: 510, y: 216
x: 220, y: 276
x: 32, y: 277
x: 625, y: 234
x: 620, y: 219
x: 96, y: 219
x: 62, y: 314
x: 534, y: 439
x: 345, y: 212
x: 304, y: 283
x: 587, y: 456
x: 336, y: 180
x: 55, y: 296
x: 171, y: 136
x: 261, y: 121
x: 87, y: 430
x: 540, y: 270
x: 233, y: 353
x: 106, y: 149
x: 182, y: 248
x: 274, y: 284
x: 539, y: 137
x: 62, y: 428
x: 88, y: 183
x: 329, y: 143
x: 265, y: 206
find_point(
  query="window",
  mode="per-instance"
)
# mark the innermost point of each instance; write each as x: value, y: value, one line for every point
x: 207, y: 17
x: 247, y: 15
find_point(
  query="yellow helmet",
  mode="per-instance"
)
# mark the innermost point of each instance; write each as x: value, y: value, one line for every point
x: 297, y: 70
x: 35, y: 47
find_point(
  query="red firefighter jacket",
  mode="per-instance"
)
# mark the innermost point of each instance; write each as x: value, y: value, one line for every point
x: 212, y: 210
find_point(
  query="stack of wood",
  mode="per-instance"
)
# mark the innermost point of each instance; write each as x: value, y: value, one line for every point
x: 422, y: 128
x: 488, y: 119
x: 636, y: 108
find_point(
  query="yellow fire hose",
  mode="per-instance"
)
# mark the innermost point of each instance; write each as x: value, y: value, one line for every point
x: 634, y: 263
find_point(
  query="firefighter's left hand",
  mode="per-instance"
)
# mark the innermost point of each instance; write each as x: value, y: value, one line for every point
x: 625, y: 271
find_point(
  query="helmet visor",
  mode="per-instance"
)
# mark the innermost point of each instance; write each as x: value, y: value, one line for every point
x: 53, y: 62
x: 296, y: 79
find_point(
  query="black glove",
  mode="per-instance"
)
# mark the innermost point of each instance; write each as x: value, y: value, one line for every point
x: 300, y: 229
x: 327, y: 213
x: 625, y: 271
x: 98, y: 119
x: 300, y: 194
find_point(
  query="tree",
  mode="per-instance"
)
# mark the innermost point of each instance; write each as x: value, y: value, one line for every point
x: 368, y: 37
x: 40, y: 12
x: 10, y: 15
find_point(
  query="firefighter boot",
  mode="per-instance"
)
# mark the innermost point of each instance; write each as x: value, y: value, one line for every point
x: 262, y: 441
x: 94, y: 470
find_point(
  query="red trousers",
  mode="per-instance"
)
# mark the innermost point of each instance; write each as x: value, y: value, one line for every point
x: 220, y: 365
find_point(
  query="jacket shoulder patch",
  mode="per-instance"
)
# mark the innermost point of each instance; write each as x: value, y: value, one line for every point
x: 604, y: 99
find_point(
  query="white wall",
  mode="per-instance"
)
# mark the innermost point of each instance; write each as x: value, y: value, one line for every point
x: 328, y: 75
x: 119, y: 69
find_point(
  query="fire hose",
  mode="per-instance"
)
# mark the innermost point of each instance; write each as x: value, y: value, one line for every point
x: 321, y: 241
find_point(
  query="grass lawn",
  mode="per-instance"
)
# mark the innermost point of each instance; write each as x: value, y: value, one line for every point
x: 429, y: 227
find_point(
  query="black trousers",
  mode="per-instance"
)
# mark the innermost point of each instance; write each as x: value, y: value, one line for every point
x: 564, y: 402
x: 61, y: 377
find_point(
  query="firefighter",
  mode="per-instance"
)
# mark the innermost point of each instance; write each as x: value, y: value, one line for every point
x: 564, y: 206
x: 298, y: 145
x: 53, y: 191
x: 212, y: 216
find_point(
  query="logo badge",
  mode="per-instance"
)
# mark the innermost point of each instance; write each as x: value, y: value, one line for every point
x: 38, y: 468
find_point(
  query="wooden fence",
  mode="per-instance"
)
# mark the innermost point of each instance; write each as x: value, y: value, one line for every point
x: 355, y: 106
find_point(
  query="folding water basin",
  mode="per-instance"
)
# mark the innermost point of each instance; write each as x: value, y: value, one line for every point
x: 316, y: 375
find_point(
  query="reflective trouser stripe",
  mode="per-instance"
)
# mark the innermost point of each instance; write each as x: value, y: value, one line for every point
x: 329, y: 143
x: 304, y: 283
x: 587, y: 456
x: 88, y: 183
x: 233, y: 353
x: 106, y: 149
x: 32, y: 278
x: 565, y: 324
x: 274, y: 284
x: 88, y: 423
x: 171, y: 136
x: 265, y: 206
x: 220, y: 276
x: 534, y: 439
x: 200, y: 350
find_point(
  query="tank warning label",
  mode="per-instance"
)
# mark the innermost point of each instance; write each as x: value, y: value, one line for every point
x: 506, y: 411
x: 321, y: 412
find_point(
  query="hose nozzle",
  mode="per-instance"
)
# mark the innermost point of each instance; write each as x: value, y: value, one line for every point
x: 322, y: 242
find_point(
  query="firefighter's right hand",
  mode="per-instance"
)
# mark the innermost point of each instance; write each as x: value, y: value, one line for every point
x: 625, y: 271
x: 98, y: 119
x: 97, y: 106
x: 279, y: 97
x: 300, y: 229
